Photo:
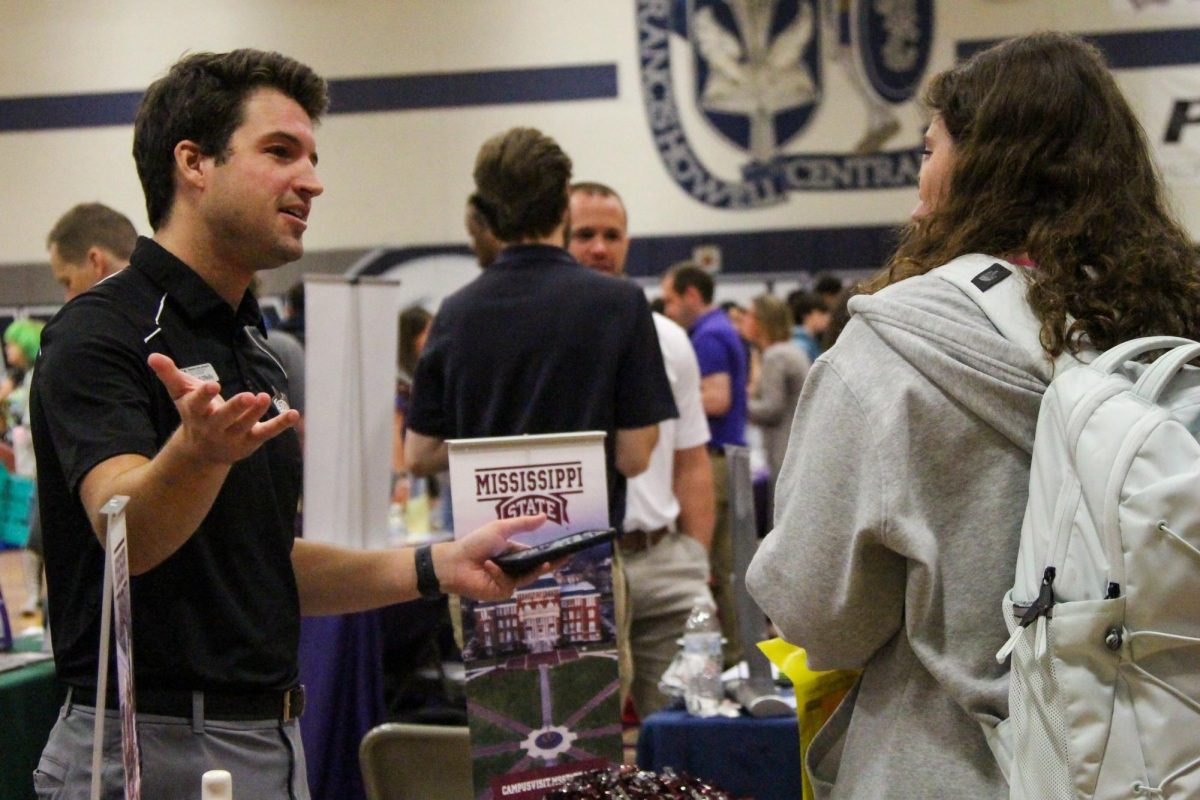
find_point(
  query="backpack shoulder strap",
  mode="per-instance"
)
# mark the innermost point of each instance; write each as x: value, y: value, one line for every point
x: 999, y: 287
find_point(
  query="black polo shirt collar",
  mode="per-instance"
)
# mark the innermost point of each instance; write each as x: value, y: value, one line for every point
x: 193, y: 298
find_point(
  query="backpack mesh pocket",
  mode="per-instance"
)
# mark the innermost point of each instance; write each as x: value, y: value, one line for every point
x: 1040, y: 769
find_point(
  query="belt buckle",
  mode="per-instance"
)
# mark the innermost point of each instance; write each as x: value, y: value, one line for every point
x: 639, y: 541
x: 632, y: 541
x: 293, y: 703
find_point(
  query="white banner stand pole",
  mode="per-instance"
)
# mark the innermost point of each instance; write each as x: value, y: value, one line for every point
x: 116, y: 592
x: 102, y: 670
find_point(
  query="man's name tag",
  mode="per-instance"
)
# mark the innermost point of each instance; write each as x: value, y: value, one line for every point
x: 204, y: 372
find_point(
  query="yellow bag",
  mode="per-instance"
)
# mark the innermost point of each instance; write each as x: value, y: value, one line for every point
x: 817, y: 693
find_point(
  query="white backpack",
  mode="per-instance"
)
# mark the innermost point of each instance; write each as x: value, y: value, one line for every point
x: 1104, y: 612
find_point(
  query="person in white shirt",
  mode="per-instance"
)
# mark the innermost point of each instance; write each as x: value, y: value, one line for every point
x: 669, y: 509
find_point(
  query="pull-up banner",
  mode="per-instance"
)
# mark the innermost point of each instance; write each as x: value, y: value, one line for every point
x: 542, y: 682
x: 350, y: 357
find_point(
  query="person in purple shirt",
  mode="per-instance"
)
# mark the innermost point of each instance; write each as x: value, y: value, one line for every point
x: 688, y: 300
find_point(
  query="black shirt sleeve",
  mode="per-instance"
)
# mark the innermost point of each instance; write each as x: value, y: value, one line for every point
x: 92, y: 389
x: 429, y: 411
x: 643, y: 391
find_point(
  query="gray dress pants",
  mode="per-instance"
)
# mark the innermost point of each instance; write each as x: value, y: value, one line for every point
x: 265, y: 758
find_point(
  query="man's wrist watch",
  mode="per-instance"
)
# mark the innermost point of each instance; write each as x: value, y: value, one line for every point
x: 427, y: 579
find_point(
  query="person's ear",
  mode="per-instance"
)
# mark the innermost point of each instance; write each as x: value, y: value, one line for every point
x: 191, y: 164
x: 96, y: 261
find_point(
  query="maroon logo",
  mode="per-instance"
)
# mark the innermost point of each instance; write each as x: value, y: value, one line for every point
x: 554, y: 506
x: 532, y: 489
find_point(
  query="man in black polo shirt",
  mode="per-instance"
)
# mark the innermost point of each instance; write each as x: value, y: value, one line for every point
x: 538, y: 343
x: 157, y: 385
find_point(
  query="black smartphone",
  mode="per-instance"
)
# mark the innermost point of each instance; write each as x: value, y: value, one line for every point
x: 518, y: 562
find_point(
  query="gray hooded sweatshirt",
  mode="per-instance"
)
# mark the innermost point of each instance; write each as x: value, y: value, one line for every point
x: 896, y: 532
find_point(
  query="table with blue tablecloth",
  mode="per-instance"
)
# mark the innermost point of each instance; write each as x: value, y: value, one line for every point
x: 745, y: 756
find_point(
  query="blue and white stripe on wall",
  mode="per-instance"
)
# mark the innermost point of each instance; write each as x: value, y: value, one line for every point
x: 1124, y: 50
x: 1168, y: 47
x: 347, y: 95
x: 1141, y: 57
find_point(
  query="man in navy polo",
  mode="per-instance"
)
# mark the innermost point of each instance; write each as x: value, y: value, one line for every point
x: 688, y: 298
x: 537, y: 343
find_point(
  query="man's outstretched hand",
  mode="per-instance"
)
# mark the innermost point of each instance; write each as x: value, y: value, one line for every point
x: 213, y: 429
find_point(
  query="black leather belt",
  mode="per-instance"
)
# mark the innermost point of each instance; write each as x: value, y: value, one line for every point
x: 247, y: 706
x: 637, y: 541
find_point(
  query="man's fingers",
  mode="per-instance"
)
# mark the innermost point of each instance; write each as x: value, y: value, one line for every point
x: 176, y: 381
x: 544, y: 568
x: 500, y: 577
x: 194, y: 395
x: 161, y: 364
x: 239, y: 413
x: 515, y: 525
x: 198, y: 401
x: 263, y: 431
x: 242, y: 413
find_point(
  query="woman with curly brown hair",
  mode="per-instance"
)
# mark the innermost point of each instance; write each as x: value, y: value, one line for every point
x: 902, y: 492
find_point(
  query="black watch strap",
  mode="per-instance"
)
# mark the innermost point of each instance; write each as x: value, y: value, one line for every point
x: 427, y: 579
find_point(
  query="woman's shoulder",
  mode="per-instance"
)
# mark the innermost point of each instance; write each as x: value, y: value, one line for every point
x: 926, y: 301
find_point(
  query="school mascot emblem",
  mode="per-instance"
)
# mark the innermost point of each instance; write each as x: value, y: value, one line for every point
x: 756, y: 77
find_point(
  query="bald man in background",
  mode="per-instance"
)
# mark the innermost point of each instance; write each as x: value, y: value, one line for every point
x: 89, y: 243
x: 669, y: 509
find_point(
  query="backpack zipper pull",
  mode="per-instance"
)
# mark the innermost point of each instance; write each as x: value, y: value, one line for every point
x: 1045, y: 599
x: 1040, y: 609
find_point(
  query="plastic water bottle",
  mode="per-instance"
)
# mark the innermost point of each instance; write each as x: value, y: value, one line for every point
x: 397, y: 528
x: 416, y: 511
x: 216, y: 784
x: 702, y: 657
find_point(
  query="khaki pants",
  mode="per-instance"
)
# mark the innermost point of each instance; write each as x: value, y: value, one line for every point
x: 721, y: 558
x: 663, y: 582
x: 624, y: 615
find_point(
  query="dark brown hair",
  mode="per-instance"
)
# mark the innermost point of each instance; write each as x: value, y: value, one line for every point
x: 89, y: 225
x: 803, y: 303
x: 413, y: 320
x: 521, y: 180
x: 689, y: 273
x: 201, y: 99
x: 1051, y: 163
